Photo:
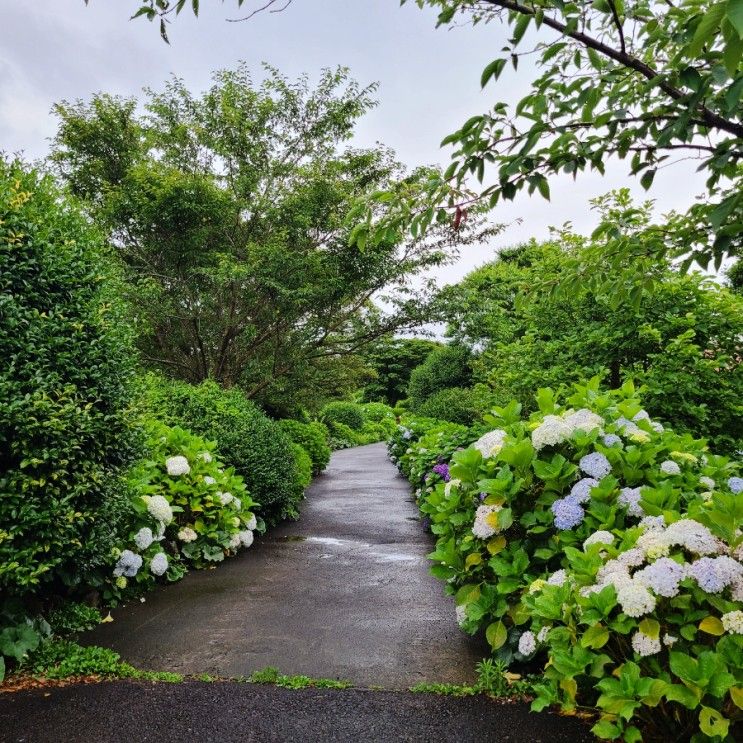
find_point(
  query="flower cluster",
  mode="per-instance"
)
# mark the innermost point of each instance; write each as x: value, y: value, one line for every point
x: 595, y: 465
x: 568, y: 513
x: 490, y: 443
x: 442, y: 470
x: 486, y: 521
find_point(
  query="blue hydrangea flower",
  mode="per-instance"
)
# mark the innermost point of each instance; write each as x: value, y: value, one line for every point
x: 581, y: 491
x: 736, y: 485
x: 568, y: 513
x: 595, y: 464
x: 630, y: 499
x: 611, y: 438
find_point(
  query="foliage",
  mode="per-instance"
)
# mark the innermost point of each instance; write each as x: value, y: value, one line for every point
x: 233, y: 213
x: 521, y: 527
x: 313, y: 437
x: 646, y: 80
x: 392, y: 361
x: 256, y: 447
x: 377, y: 412
x: 64, y: 383
x: 72, y: 617
x: 304, y: 465
x: 443, y: 368
x: 59, y: 659
x: 683, y: 345
x: 348, y: 413
x: 271, y: 675
x: 456, y: 404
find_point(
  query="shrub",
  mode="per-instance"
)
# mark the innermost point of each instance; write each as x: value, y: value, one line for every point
x: 443, y: 368
x: 454, y: 404
x: 313, y: 437
x: 304, y: 465
x: 188, y: 510
x: 542, y: 528
x: 255, y: 446
x: 377, y: 412
x: 348, y: 413
x: 343, y: 437
x: 65, y: 390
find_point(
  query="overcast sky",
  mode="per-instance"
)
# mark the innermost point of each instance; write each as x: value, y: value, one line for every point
x: 429, y: 81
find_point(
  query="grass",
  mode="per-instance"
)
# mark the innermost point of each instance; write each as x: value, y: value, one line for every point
x: 271, y: 675
x: 492, y: 679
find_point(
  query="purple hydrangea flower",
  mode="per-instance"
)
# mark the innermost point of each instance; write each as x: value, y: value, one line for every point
x: 568, y: 513
x: 630, y: 499
x: 442, y: 470
x: 736, y: 485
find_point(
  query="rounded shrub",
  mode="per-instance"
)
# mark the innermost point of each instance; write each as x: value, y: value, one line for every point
x: 377, y: 412
x: 455, y: 404
x: 348, y: 413
x: 65, y: 389
x: 443, y: 368
x: 258, y: 448
x: 313, y: 437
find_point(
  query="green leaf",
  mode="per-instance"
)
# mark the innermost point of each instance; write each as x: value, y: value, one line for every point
x: 496, y: 634
x: 706, y: 28
x: 595, y: 637
x: 494, y: 70
x: 712, y: 723
x: 735, y: 15
x: 646, y: 180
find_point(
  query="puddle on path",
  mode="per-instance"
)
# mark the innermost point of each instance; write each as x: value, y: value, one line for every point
x: 368, y: 549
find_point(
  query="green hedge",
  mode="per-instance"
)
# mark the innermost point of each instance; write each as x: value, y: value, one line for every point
x: 313, y: 437
x: 257, y: 447
x: 64, y: 386
x: 348, y: 413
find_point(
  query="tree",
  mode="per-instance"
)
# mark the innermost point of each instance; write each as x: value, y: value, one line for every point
x: 445, y: 367
x: 392, y: 361
x: 645, y: 80
x: 684, y: 346
x: 232, y: 211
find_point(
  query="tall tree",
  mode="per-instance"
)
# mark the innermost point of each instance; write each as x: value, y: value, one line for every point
x: 232, y: 211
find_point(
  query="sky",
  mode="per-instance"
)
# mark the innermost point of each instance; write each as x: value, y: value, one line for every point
x: 429, y: 83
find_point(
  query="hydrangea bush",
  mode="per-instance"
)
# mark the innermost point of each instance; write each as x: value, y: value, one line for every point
x: 190, y: 510
x: 593, y: 539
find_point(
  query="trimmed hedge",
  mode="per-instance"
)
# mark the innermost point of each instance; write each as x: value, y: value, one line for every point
x: 257, y: 447
x: 348, y: 413
x: 313, y: 437
x: 65, y: 389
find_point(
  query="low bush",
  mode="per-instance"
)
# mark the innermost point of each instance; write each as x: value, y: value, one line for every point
x: 591, y: 539
x: 189, y: 510
x: 377, y: 412
x: 454, y: 404
x: 346, y: 413
x: 65, y: 378
x: 313, y: 437
x: 443, y: 368
x: 258, y: 449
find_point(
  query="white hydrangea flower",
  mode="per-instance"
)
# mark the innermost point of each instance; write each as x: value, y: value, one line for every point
x: 654, y: 544
x: 733, y: 622
x: 209, y: 480
x: 159, y: 564
x: 635, y: 599
x: 144, y: 538
x: 627, y: 427
x: 631, y: 558
x: 225, y: 498
x: 454, y: 483
x: 206, y: 457
x: 643, y: 415
x: 461, y: 612
x: 187, y: 534
x: 527, y: 643
x: 552, y: 431
x: 581, y: 491
x: 490, y: 443
x: 234, y: 542
x: 584, y: 420
x: 557, y: 578
x: 708, y: 482
x: 246, y: 537
x: 177, y: 466
x: 663, y: 576
x: 237, y: 504
x: 694, y: 537
x: 645, y: 645
x: 482, y: 529
x: 653, y: 523
x: 159, y: 508
x: 669, y: 640
x: 252, y: 523
x: 669, y: 467
x: 599, y: 537
x: 542, y: 634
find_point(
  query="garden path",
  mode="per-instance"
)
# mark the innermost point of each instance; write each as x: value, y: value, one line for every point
x: 345, y: 592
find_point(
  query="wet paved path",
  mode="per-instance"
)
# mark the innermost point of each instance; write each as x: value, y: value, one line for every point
x: 344, y: 592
